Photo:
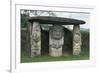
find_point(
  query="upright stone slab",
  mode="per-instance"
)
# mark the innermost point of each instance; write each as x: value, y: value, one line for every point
x: 56, y: 40
x: 36, y: 40
x: 76, y: 40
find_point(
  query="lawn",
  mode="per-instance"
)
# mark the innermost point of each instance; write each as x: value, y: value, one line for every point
x: 25, y: 58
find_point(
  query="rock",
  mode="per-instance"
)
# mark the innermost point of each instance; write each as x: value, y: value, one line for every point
x: 36, y: 40
x: 76, y: 40
x: 56, y: 40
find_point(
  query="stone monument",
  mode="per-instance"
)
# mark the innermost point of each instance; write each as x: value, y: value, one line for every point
x: 76, y: 40
x: 56, y: 34
x: 36, y: 40
x: 56, y: 40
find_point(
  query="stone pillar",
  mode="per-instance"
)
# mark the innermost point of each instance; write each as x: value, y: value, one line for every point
x: 76, y: 40
x: 56, y: 40
x: 36, y: 40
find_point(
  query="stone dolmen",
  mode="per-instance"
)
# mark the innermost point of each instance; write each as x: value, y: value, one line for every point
x: 56, y: 34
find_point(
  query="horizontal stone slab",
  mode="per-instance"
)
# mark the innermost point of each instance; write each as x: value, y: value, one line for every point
x: 56, y: 20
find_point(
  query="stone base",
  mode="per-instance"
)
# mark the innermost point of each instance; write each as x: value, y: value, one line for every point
x: 36, y: 52
x: 55, y: 52
x: 76, y: 51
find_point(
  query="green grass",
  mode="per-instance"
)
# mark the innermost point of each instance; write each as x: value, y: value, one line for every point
x: 25, y: 57
x: 49, y: 58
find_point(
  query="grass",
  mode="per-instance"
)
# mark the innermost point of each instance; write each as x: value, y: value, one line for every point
x: 25, y: 57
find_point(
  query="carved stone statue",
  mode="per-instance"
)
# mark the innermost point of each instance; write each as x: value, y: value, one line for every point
x: 36, y: 40
x: 76, y: 40
x: 56, y: 40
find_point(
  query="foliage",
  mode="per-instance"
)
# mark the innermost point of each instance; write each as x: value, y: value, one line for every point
x: 24, y: 19
x: 85, y: 39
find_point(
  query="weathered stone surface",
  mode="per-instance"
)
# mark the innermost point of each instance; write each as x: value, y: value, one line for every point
x: 56, y: 40
x: 55, y: 20
x: 36, y: 40
x: 76, y: 40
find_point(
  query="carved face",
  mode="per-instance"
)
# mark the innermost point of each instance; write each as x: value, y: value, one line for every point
x: 57, y: 32
x: 77, y: 37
